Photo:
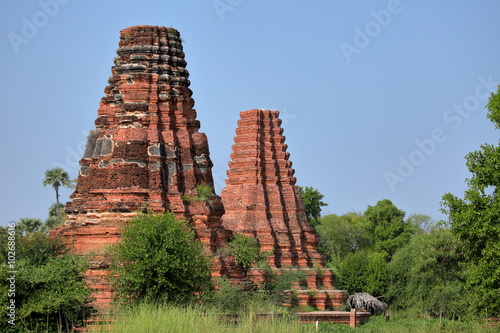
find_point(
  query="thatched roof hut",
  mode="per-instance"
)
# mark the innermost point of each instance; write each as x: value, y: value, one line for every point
x: 367, y: 302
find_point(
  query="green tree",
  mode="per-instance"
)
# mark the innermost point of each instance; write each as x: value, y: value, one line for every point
x: 159, y: 260
x: 341, y: 235
x: 54, y: 208
x: 475, y: 219
x: 363, y: 271
x: 51, y: 293
x: 57, y: 177
x: 389, y: 229
x: 376, y: 274
x: 311, y: 198
x: 426, y: 276
x: 28, y: 225
x: 421, y: 223
x: 53, y: 220
x: 359, y: 247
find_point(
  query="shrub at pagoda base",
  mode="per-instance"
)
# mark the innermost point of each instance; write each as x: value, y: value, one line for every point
x: 159, y: 260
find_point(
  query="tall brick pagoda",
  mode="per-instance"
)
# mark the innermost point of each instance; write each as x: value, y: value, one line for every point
x: 145, y: 152
x: 261, y: 200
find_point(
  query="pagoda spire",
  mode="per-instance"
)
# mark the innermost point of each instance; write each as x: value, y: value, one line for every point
x: 261, y: 198
x: 145, y: 153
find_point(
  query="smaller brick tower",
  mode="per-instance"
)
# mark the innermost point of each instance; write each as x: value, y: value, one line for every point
x: 261, y: 200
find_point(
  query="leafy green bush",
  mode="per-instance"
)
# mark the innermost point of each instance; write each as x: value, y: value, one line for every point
x: 268, y: 294
x: 246, y: 251
x: 159, y: 260
x: 51, y: 294
x: 229, y: 298
x: 277, y: 281
x: 427, y: 278
x: 204, y: 192
x: 363, y: 271
x: 340, y: 235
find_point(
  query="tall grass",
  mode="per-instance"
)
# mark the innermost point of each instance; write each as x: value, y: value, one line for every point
x: 285, y: 322
x: 148, y: 318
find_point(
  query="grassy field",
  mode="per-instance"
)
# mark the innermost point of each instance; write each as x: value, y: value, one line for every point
x: 169, y: 319
x: 377, y: 324
x: 146, y: 318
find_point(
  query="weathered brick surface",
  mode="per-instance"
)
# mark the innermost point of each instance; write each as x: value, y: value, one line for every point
x: 146, y: 149
x: 145, y: 152
x: 261, y: 200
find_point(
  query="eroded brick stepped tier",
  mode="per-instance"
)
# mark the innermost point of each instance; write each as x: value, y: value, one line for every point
x: 145, y: 152
x: 261, y: 200
x: 146, y: 149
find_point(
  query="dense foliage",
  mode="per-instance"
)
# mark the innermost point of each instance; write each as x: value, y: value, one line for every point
x: 413, y: 264
x: 159, y: 260
x: 475, y: 219
x: 312, y: 200
x: 344, y: 234
x: 45, y: 280
x: 426, y: 276
x: 446, y: 270
x: 246, y: 251
x: 388, y: 228
x: 268, y: 294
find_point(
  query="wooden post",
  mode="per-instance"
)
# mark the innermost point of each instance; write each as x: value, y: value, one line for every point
x: 352, y: 318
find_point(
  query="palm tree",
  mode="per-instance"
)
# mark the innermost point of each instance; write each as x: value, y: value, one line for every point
x: 27, y: 225
x: 53, y: 220
x: 54, y: 208
x: 57, y: 177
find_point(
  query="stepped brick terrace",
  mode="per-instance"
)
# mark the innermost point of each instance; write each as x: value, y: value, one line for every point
x: 261, y: 200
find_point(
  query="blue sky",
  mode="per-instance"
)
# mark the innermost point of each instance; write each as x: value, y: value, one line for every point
x: 379, y: 99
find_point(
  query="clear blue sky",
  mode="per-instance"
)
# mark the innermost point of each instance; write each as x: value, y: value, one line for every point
x: 380, y: 99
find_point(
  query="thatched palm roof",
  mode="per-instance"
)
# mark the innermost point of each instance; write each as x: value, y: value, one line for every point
x: 367, y: 302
